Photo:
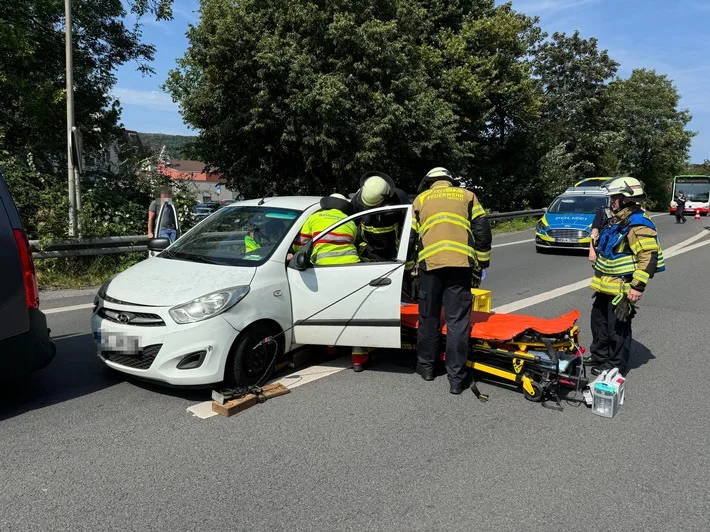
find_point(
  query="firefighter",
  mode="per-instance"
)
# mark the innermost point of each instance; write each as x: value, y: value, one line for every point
x: 452, y: 239
x: 628, y: 254
x: 335, y: 249
x: 379, y: 232
x: 339, y: 246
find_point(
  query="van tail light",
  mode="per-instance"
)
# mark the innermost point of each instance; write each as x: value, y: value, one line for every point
x: 29, y: 276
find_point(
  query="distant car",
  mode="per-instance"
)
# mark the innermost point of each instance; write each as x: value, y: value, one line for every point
x: 199, y: 212
x: 25, y: 345
x: 567, y: 223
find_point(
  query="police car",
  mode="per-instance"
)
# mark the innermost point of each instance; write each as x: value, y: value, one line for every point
x: 567, y: 223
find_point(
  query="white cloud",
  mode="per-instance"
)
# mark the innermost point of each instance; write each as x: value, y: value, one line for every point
x: 150, y: 99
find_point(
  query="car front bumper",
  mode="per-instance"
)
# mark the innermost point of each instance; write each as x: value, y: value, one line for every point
x: 162, y: 348
x: 543, y: 240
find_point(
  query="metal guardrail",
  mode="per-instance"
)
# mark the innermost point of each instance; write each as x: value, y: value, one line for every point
x: 139, y: 243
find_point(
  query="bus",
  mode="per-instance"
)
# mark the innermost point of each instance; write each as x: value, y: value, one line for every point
x: 697, y: 191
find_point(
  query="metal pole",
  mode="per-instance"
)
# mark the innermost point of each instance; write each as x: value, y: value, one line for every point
x: 77, y: 192
x: 71, y: 178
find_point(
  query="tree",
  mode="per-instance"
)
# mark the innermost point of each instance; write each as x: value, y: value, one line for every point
x: 32, y: 71
x: 574, y: 73
x: 304, y: 96
x: 654, y: 143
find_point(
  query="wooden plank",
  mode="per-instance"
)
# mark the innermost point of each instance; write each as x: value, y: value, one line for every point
x: 235, y: 406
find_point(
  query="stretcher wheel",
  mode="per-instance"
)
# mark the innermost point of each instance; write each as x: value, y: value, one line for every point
x: 536, y: 396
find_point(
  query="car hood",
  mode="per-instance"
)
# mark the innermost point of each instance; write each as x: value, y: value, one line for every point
x: 569, y: 221
x: 167, y: 282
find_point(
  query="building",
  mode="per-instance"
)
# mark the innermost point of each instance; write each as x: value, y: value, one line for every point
x: 207, y: 186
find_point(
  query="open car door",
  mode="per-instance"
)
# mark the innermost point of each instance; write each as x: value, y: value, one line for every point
x: 349, y: 304
x: 159, y: 223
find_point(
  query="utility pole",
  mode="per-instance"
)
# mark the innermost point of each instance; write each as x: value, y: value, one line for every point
x: 72, y: 176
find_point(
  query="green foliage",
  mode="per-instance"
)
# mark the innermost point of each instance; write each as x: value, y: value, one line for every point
x: 177, y: 146
x: 574, y: 128
x: 653, y: 143
x: 32, y: 71
x: 304, y: 96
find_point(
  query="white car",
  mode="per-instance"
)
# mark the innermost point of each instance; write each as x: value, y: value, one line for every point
x: 196, y: 313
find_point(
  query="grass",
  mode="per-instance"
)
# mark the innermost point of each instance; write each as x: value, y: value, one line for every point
x: 511, y: 226
x: 82, y: 272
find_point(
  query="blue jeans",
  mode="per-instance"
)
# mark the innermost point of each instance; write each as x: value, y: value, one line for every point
x: 170, y: 234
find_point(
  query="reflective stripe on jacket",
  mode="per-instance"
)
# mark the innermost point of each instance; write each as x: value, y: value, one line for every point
x: 628, y: 254
x: 337, y: 247
x: 451, y: 227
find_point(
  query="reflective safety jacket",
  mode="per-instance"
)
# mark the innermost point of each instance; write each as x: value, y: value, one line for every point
x: 379, y: 233
x: 337, y: 247
x: 250, y: 244
x: 451, y: 228
x: 628, y: 253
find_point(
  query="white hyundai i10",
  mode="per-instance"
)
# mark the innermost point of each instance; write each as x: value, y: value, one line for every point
x: 196, y: 313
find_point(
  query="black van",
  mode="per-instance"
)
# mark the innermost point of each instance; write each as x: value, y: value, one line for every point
x: 25, y: 345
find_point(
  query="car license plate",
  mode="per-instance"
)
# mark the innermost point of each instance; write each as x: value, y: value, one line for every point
x: 566, y: 240
x: 110, y: 341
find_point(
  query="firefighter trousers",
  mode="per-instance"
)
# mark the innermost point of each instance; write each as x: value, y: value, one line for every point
x: 611, y: 338
x: 450, y: 287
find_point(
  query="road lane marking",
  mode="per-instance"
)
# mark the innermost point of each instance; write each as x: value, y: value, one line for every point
x: 687, y: 241
x: 513, y: 243
x: 68, y: 309
x: 563, y: 290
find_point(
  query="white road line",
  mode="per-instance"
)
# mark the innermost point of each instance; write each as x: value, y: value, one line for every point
x: 513, y: 243
x: 686, y: 242
x: 563, y: 290
x: 68, y: 309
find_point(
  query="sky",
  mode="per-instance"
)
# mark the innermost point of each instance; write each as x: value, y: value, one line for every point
x: 669, y: 36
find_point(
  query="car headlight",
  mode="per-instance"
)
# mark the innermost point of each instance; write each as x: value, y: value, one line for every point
x: 541, y: 227
x: 209, y: 305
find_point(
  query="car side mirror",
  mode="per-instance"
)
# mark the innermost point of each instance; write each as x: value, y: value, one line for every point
x: 158, y: 244
x: 544, y: 209
x: 301, y: 260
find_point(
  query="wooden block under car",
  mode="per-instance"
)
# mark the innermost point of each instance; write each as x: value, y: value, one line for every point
x: 237, y: 405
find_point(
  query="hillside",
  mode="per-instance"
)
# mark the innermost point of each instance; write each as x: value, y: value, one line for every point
x: 175, y: 144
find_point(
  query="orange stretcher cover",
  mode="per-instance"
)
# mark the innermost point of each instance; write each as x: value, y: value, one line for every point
x: 485, y: 326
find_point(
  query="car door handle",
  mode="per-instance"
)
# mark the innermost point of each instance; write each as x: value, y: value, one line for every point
x: 381, y: 282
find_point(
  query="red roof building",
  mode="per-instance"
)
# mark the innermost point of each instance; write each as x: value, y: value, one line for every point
x: 191, y: 170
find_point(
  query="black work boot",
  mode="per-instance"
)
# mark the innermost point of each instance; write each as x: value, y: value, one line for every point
x: 426, y: 374
x: 456, y: 389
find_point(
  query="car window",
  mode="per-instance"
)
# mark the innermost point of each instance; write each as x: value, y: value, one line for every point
x: 397, y: 214
x: 577, y: 204
x: 236, y: 236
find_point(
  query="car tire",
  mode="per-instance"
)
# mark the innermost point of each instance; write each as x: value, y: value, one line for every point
x: 250, y: 366
x: 538, y: 249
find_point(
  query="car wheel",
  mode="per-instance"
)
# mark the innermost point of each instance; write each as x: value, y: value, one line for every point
x: 538, y: 249
x: 251, y: 363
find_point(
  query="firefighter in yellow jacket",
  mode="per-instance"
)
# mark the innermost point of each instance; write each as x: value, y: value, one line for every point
x: 453, y: 239
x: 628, y: 255
x: 334, y: 249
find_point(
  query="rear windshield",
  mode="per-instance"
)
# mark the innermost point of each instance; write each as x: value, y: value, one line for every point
x: 577, y: 204
x: 235, y: 236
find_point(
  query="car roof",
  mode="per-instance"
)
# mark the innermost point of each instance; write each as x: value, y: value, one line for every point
x: 300, y: 203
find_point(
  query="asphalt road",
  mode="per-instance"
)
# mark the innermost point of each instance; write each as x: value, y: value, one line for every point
x: 84, y: 449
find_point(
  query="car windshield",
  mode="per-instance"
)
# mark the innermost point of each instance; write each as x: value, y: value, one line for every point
x: 590, y: 183
x: 577, y: 204
x: 235, y: 236
x: 694, y: 191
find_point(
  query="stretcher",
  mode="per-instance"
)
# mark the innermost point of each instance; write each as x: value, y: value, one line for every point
x: 538, y: 355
